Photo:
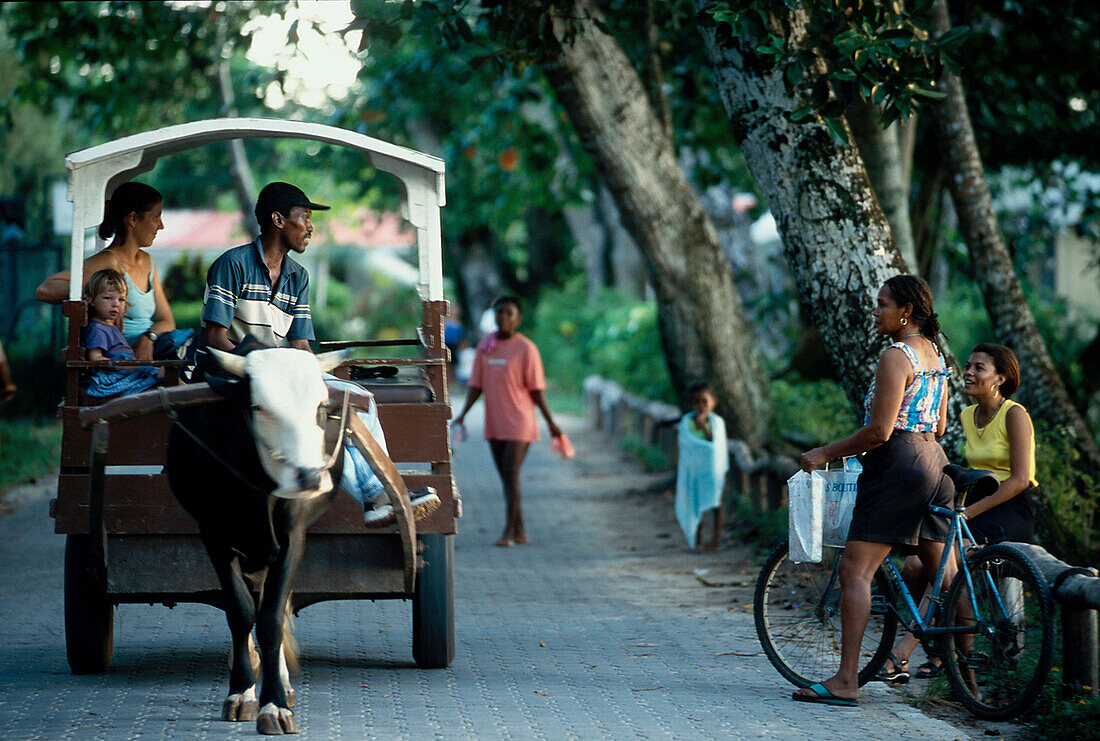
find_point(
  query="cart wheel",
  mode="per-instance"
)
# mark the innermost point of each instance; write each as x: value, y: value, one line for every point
x: 89, y: 615
x: 434, y: 605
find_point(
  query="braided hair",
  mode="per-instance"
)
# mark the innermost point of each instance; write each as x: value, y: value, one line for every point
x: 909, y: 289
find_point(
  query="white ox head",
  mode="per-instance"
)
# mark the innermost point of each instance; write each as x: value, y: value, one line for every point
x: 288, y: 399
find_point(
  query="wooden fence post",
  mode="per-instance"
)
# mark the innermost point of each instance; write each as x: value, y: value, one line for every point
x: 1077, y: 591
x: 1079, y: 638
x: 1080, y: 667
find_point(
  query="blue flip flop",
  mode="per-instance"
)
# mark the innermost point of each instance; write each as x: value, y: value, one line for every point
x: 822, y: 696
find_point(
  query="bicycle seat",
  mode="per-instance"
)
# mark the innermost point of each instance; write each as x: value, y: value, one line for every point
x: 976, y: 481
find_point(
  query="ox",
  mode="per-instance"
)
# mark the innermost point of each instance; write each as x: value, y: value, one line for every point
x: 252, y: 470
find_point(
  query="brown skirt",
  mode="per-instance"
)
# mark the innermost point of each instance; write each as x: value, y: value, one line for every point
x: 900, y: 479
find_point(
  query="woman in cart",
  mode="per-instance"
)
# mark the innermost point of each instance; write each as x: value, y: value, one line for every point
x: 132, y: 218
x: 508, y: 370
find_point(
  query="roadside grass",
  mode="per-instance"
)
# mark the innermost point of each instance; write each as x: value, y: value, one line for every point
x: 29, y: 448
x: 565, y: 402
x: 652, y: 458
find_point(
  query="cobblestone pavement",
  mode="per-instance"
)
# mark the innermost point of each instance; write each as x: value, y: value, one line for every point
x: 597, y: 630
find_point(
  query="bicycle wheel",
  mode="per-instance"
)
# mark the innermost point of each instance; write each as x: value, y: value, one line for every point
x: 999, y: 670
x: 797, y: 613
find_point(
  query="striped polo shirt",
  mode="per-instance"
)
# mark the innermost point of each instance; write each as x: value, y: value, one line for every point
x: 239, y: 296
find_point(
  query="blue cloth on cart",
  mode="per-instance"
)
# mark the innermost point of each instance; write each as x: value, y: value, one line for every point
x: 114, y: 381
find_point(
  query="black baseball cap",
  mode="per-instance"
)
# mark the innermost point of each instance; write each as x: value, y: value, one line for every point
x: 282, y: 197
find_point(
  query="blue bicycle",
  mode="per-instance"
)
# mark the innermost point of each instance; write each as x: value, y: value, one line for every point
x: 994, y: 626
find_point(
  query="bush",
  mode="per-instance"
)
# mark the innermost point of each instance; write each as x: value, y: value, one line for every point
x: 652, y: 458
x: 614, y: 336
x: 28, y: 449
x: 1080, y: 716
x: 185, y: 280
x: 1066, y: 511
x: 813, y: 412
x: 39, y: 376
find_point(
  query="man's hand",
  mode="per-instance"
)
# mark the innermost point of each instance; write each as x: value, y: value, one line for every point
x: 217, y: 336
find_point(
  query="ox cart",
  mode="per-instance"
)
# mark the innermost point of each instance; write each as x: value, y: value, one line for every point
x: 114, y: 505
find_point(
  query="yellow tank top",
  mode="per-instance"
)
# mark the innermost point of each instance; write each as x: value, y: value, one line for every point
x: 987, y: 447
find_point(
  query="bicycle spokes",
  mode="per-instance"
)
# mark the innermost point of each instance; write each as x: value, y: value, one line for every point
x: 1000, y: 662
x: 797, y: 614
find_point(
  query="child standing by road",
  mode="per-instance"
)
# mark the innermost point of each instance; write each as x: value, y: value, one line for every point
x: 701, y: 472
x: 105, y: 294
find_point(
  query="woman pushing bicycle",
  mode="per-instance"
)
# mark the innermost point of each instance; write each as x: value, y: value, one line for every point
x: 905, y: 411
x: 999, y: 438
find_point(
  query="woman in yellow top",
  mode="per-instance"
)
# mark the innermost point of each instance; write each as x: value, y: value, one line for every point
x: 999, y: 438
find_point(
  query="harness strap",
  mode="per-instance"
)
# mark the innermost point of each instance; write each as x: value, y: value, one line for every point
x: 209, y: 451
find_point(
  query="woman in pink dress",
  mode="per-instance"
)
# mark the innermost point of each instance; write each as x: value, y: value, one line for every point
x: 508, y: 371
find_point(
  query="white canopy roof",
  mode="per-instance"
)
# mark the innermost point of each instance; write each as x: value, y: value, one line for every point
x: 94, y: 173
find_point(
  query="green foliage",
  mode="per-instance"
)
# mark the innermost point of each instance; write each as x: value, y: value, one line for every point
x: 966, y: 324
x: 366, y: 305
x: 39, y: 377
x: 502, y: 138
x: 613, y: 336
x: 882, y: 52
x: 1066, y: 511
x: 188, y: 314
x: 1030, y: 74
x: 963, y: 318
x: 185, y: 280
x: 814, y: 411
x: 766, y: 529
x: 107, y: 60
x: 653, y: 459
x: 28, y: 449
x: 1058, y: 718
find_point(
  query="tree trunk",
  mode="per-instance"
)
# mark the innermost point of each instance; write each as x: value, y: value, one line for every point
x: 626, y: 269
x: 244, y: 185
x: 836, y: 239
x: 702, y: 324
x: 926, y: 216
x: 654, y: 72
x: 882, y: 157
x: 1040, y: 387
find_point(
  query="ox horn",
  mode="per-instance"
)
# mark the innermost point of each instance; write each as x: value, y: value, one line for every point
x: 330, y: 360
x: 232, y: 363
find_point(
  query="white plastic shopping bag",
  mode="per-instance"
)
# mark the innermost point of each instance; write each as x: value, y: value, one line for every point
x: 838, y: 487
x: 804, y: 512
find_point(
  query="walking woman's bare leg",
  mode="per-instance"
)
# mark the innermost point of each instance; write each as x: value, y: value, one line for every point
x: 857, y: 570
x: 508, y: 455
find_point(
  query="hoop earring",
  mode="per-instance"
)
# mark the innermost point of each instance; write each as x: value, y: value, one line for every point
x: 904, y: 321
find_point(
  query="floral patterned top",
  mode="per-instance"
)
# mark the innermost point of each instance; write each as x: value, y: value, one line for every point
x: 920, y: 405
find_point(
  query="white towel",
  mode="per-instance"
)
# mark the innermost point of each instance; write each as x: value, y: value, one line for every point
x: 701, y: 473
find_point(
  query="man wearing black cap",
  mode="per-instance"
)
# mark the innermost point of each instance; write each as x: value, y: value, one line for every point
x: 257, y: 288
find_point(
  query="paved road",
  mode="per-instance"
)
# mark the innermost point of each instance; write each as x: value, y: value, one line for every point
x: 597, y: 630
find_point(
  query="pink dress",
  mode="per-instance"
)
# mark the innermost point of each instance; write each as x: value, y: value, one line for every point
x: 507, y: 371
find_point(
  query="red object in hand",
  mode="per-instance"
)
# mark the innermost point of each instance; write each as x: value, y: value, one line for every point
x: 562, y: 446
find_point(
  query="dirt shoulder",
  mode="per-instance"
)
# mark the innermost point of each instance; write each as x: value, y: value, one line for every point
x: 14, y: 499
